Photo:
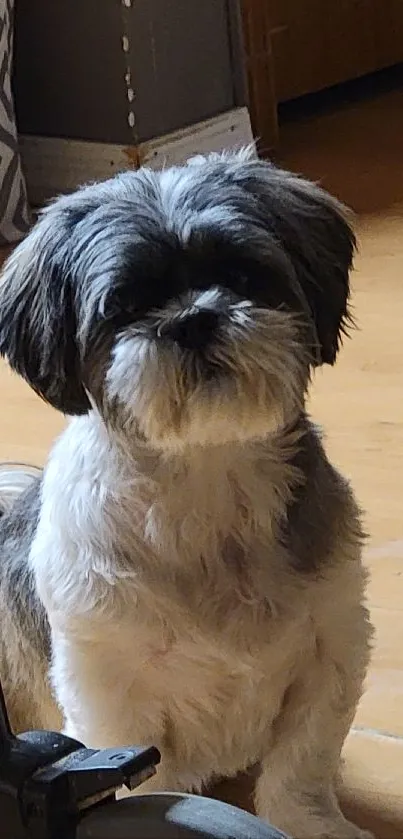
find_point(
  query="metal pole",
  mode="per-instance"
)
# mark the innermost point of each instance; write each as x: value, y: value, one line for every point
x: 6, y: 733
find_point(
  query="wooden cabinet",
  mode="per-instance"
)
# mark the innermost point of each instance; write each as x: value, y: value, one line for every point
x: 319, y: 43
x: 295, y: 47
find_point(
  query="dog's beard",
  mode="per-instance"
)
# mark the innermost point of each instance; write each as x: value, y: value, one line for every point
x: 249, y: 382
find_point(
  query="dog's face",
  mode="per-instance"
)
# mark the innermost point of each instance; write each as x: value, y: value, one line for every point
x: 188, y: 305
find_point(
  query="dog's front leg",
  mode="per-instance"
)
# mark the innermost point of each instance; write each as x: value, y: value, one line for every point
x: 105, y: 703
x: 296, y: 787
x: 109, y: 702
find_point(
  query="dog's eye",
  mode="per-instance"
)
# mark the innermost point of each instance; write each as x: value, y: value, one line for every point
x: 126, y: 305
x: 118, y: 310
x: 236, y: 282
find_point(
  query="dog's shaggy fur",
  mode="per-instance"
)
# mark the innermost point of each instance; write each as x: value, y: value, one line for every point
x: 189, y: 563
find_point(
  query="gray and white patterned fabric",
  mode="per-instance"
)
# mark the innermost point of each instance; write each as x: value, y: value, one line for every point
x: 14, y: 211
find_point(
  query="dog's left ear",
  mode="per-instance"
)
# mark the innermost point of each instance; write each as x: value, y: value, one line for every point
x: 314, y: 230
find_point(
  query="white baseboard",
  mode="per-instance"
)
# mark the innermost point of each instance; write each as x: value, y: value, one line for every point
x: 54, y: 165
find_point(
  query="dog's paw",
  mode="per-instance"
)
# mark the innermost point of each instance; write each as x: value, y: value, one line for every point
x: 353, y: 833
x: 328, y: 829
x: 347, y: 830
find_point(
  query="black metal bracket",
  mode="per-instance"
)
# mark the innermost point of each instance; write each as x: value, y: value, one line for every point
x: 47, y: 780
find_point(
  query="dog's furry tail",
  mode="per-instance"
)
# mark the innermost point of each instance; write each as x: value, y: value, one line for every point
x: 15, y: 478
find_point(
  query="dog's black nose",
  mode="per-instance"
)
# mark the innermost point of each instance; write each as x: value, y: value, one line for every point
x: 193, y: 330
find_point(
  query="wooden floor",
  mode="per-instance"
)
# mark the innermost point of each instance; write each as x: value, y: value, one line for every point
x: 357, y: 152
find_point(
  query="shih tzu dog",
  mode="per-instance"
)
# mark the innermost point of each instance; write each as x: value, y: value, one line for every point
x: 187, y: 571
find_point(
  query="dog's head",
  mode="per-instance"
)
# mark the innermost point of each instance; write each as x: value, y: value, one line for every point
x: 187, y: 305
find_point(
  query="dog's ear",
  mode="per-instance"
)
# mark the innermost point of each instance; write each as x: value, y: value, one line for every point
x: 322, y: 245
x: 314, y: 230
x: 38, y: 329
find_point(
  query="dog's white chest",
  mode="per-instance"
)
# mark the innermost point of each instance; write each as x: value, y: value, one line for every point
x: 198, y: 696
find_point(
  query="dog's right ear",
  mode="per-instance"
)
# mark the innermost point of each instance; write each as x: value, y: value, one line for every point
x: 38, y: 329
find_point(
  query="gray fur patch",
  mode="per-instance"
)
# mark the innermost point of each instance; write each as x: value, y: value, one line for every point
x: 323, y: 513
x: 17, y: 529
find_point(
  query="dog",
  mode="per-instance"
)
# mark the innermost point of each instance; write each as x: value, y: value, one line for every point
x: 187, y: 570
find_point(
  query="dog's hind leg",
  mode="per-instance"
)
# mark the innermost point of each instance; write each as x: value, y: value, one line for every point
x: 24, y: 631
x: 296, y: 788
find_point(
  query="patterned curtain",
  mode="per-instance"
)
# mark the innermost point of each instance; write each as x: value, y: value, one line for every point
x: 14, y: 212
